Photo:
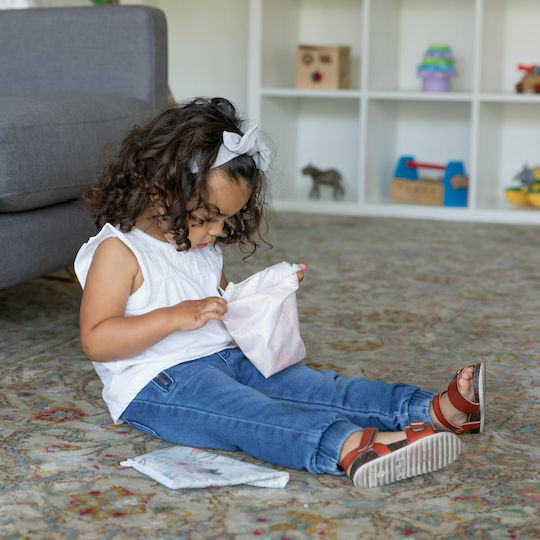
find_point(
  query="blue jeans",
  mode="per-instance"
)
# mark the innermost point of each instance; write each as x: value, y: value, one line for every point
x: 298, y: 418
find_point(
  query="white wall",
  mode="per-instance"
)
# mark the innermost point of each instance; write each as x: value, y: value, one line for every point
x: 208, y: 42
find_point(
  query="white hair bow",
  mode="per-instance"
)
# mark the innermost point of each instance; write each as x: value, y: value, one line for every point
x: 235, y: 145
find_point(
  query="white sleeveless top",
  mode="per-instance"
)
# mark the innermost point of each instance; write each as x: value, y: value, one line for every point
x: 170, y: 277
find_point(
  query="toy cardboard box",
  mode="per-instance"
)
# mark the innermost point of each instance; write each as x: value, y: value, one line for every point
x: 326, y: 68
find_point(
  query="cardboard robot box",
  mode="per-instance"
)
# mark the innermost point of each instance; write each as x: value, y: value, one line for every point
x: 326, y: 68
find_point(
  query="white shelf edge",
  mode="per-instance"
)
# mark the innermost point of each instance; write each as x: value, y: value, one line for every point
x: 398, y: 210
x: 300, y: 93
x: 411, y: 95
x: 502, y: 97
x: 474, y: 178
x: 363, y: 110
x: 402, y: 95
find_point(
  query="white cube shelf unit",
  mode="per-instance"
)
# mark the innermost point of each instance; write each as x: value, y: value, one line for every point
x: 363, y: 130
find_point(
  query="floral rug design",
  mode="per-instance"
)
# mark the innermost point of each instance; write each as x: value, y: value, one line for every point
x: 400, y: 300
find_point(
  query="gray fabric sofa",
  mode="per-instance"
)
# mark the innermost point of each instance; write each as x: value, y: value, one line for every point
x: 72, y: 82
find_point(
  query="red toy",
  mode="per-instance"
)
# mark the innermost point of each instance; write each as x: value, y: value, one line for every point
x: 530, y: 82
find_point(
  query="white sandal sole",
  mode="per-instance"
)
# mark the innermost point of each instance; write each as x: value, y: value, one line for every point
x: 482, y: 394
x: 420, y: 457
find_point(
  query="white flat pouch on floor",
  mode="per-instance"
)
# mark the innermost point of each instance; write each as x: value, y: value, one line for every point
x: 180, y: 467
x: 262, y: 318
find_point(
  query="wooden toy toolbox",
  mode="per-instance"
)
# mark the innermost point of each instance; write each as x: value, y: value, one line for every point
x: 450, y: 190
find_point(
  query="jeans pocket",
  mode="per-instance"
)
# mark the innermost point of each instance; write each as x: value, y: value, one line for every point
x: 143, y: 428
x: 163, y: 381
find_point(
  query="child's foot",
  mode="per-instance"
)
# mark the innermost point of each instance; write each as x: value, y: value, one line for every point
x: 461, y: 407
x: 382, y: 458
x: 465, y: 382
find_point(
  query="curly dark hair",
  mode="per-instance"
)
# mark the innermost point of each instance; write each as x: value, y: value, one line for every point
x: 153, y: 165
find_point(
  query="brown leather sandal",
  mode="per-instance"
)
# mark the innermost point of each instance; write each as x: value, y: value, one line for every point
x: 375, y: 464
x: 474, y: 409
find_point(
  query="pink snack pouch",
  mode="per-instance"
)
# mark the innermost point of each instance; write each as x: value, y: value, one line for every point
x: 262, y: 318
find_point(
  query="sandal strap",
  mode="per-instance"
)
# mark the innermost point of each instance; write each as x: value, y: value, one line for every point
x: 458, y: 430
x: 442, y: 419
x: 366, y: 442
x: 459, y: 401
x: 418, y: 430
x: 414, y: 432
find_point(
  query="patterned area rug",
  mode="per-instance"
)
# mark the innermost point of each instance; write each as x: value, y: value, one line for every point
x: 394, y: 299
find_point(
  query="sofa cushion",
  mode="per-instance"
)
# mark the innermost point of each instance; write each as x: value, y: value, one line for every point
x: 53, y: 146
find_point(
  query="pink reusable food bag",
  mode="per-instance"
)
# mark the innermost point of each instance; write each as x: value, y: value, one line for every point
x: 262, y: 318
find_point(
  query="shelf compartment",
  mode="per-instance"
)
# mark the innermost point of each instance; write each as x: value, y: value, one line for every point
x: 433, y: 132
x: 362, y: 131
x: 323, y: 132
x: 289, y: 23
x: 509, y: 138
x: 509, y: 37
x: 398, y: 41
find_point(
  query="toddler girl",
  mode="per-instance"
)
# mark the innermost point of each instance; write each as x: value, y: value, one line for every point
x: 151, y: 319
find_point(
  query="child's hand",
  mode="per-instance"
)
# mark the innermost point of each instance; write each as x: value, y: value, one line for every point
x: 194, y: 314
x: 301, y: 273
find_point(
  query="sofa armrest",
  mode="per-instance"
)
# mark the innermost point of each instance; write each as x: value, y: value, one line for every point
x: 107, y: 49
